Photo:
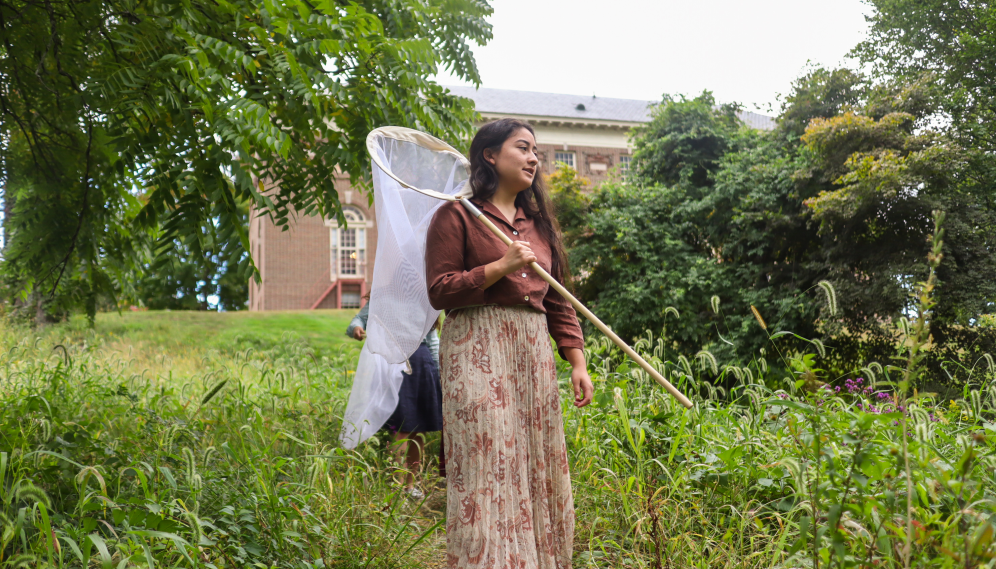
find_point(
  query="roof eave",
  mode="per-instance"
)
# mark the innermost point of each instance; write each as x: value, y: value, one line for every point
x: 540, y: 120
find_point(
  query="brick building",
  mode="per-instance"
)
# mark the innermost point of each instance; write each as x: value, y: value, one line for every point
x: 317, y: 264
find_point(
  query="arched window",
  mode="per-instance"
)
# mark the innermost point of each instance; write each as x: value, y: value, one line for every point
x: 349, y: 245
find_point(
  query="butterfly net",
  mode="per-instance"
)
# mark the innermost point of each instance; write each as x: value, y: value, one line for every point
x: 413, y: 174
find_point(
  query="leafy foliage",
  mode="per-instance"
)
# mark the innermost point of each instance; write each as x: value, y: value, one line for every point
x: 200, y: 107
x: 760, y: 219
x: 949, y: 41
x: 683, y: 140
x: 821, y: 93
x: 887, y: 177
x: 571, y: 202
x: 631, y: 265
x: 185, y: 281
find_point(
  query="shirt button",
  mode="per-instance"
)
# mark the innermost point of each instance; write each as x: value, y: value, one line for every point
x: 515, y: 233
x: 523, y: 275
x: 527, y: 297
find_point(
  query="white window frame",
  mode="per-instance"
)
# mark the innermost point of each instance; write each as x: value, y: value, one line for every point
x: 355, y: 231
x: 625, y: 160
x: 559, y: 154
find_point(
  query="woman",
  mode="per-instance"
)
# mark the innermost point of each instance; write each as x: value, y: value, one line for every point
x: 509, y: 501
x: 419, y: 407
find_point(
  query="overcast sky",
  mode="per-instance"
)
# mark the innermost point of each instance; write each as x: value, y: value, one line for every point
x: 747, y: 51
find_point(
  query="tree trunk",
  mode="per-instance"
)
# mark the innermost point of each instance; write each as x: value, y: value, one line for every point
x: 41, y: 317
x: 8, y: 210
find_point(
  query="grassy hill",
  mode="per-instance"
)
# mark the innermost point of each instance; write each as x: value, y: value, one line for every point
x: 323, y: 330
x: 187, y: 337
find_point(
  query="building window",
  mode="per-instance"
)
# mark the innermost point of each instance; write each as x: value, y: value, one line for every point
x: 565, y: 158
x: 624, y: 164
x: 349, y: 245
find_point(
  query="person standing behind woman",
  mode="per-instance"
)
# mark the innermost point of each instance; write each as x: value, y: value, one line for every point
x: 419, y: 407
x: 509, y: 500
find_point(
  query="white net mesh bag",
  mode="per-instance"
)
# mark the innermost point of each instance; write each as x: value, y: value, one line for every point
x: 400, y: 314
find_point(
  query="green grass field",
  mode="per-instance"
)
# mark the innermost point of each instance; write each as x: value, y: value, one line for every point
x: 323, y: 330
x: 187, y: 337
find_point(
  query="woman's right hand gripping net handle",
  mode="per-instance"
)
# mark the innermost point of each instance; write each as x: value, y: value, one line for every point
x: 584, y: 311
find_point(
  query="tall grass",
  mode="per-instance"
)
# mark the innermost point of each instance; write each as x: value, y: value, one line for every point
x: 237, y: 466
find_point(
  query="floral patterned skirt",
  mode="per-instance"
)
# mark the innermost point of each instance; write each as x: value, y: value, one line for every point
x: 509, y: 502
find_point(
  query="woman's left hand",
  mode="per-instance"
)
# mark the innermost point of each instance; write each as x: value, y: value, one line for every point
x: 583, y: 388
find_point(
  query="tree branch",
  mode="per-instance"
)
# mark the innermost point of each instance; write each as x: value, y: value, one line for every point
x: 79, y: 223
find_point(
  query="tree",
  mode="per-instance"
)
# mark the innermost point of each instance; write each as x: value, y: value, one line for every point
x: 875, y: 223
x: 683, y: 140
x: 727, y: 224
x: 821, y: 93
x: 185, y: 280
x: 631, y: 263
x: 570, y: 193
x: 198, y: 107
x: 951, y: 41
x: 759, y: 219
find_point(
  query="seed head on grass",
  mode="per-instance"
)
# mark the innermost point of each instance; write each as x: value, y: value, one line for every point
x: 193, y: 478
x: 28, y: 491
x: 819, y: 347
x: 23, y: 561
x: 170, y: 435
x: 46, y: 429
x: 195, y: 527
x: 975, y: 398
x: 84, y: 475
x: 686, y: 365
x: 737, y: 373
x: 905, y: 327
x: 870, y: 373
x: 757, y: 315
x: 708, y: 361
x: 214, y: 391
x: 207, y: 396
x: 831, y: 295
x: 715, y: 303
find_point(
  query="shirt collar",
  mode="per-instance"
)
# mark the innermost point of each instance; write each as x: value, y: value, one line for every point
x: 490, y: 208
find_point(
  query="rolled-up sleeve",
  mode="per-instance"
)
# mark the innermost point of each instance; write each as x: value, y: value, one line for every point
x: 562, y: 322
x: 359, y: 321
x: 450, y: 285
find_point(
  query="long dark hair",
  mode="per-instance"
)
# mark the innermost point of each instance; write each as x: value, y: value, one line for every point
x: 534, y: 201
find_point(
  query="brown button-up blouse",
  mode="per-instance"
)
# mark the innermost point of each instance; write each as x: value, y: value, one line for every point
x: 456, y: 250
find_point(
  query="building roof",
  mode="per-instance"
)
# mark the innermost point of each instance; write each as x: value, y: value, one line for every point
x: 531, y: 103
x: 757, y: 120
x: 555, y: 105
